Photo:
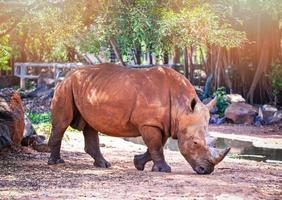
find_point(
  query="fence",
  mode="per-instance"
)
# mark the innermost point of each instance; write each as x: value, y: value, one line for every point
x: 32, y: 70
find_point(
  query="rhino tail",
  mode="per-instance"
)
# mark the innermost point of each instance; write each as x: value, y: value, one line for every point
x: 77, y: 122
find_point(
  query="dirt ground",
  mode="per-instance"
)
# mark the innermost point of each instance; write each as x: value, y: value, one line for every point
x: 27, y: 176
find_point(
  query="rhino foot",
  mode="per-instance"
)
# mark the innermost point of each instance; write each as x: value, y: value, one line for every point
x: 141, y: 160
x: 161, y: 166
x: 52, y: 161
x: 102, y: 163
x: 138, y: 163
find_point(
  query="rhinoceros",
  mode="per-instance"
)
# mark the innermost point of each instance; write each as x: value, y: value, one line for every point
x: 155, y: 103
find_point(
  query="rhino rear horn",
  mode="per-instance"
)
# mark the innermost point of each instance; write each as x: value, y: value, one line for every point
x: 218, y: 155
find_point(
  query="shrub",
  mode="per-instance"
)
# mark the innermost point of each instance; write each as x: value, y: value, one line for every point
x: 222, y: 102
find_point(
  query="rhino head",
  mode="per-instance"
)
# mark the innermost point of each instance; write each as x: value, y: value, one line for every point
x: 192, y: 142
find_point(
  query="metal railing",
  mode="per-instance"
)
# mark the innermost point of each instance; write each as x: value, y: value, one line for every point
x: 27, y: 70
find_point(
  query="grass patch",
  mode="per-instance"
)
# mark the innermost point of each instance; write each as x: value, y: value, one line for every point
x: 37, y: 118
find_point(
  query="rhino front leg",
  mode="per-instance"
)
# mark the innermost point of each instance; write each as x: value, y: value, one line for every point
x: 153, y: 138
x: 92, y: 147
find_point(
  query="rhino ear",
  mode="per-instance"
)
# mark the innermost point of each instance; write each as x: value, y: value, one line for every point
x: 193, y: 104
x: 212, y: 103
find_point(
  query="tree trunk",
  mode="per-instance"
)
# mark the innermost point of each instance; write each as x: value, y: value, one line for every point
x: 261, y: 69
x: 186, y: 62
x: 116, y: 50
x: 138, y: 54
x: 166, y: 57
x: 190, y: 65
x: 150, y: 54
x: 217, y: 70
x: 226, y: 77
x: 176, y: 56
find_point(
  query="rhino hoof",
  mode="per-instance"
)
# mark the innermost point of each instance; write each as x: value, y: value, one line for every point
x: 161, y: 166
x: 52, y: 161
x: 138, y: 165
x: 102, y: 164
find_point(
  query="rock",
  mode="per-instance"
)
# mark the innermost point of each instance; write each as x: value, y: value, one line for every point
x: 241, y: 113
x: 28, y: 132
x: 38, y: 143
x: 11, y: 118
x: 213, y: 118
x: 234, y: 98
x: 267, y: 113
x: 277, y: 116
x: 220, y: 121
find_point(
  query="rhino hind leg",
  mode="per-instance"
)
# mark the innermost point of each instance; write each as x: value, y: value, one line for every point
x: 153, y: 138
x: 141, y: 160
x: 55, y: 144
x: 62, y: 116
x: 92, y: 147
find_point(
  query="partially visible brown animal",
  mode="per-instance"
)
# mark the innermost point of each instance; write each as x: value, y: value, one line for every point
x: 155, y: 103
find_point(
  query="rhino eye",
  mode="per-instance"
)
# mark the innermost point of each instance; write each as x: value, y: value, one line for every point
x: 195, y: 142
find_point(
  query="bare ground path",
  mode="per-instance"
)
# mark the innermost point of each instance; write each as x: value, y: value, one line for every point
x: 27, y: 176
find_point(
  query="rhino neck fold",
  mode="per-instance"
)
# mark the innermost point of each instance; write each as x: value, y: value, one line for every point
x: 174, y: 117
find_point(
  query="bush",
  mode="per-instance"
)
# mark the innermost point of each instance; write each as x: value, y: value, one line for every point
x: 222, y: 102
x: 37, y: 118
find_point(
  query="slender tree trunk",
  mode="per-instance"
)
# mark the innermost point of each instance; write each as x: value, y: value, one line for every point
x: 191, y: 65
x: 138, y: 54
x: 224, y: 71
x: 176, y: 56
x: 217, y: 70
x: 116, y: 50
x: 150, y: 54
x: 203, y: 60
x: 166, y: 57
x: 186, y: 62
x: 261, y: 69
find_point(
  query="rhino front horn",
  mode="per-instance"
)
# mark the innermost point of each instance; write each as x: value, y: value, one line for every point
x: 218, y: 154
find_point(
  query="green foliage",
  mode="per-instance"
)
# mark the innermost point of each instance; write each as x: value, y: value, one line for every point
x: 198, y: 26
x: 222, y: 102
x: 5, y: 53
x: 37, y: 118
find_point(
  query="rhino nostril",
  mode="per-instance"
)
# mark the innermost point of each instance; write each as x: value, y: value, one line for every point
x: 201, y: 170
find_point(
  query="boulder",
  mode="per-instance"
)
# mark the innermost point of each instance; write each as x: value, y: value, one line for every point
x: 234, y: 98
x: 267, y: 113
x: 28, y: 132
x: 241, y: 113
x: 277, y: 117
x: 11, y: 118
x: 30, y: 138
